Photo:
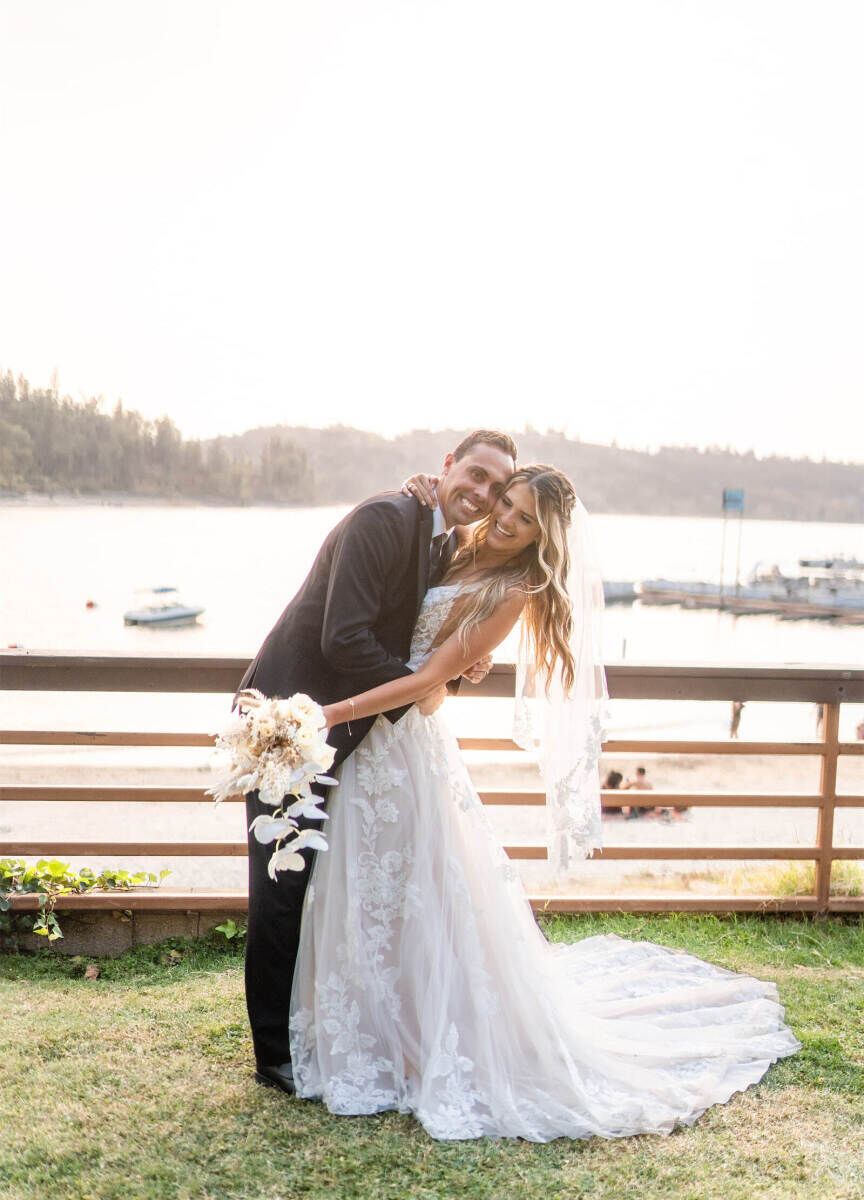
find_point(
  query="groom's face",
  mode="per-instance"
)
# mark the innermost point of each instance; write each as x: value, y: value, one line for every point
x: 470, y: 485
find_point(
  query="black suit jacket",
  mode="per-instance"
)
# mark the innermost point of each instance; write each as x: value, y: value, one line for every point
x: 349, y: 626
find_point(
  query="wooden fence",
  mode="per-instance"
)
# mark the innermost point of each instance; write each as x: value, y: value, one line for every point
x: 831, y: 687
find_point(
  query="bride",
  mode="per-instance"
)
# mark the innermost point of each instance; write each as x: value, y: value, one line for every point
x: 423, y: 983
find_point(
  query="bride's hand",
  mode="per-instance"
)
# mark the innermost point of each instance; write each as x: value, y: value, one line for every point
x: 422, y: 487
x: 327, y: 710
x: 432, y: 701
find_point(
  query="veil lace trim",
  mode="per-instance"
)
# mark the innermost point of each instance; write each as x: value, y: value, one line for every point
x: 565, y: 730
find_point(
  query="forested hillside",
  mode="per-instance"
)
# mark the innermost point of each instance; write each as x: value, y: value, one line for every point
x: 349, y: 463
x: 51, y: 444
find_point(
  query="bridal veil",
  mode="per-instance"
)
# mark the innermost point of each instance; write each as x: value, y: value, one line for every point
x: 563, y: 728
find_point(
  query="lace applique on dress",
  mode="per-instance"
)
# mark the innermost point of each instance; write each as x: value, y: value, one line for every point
x: 377, y: 774
x: 433, y: 613
x: 354, y: 1089
x: 438, y: 761
x: 381, y: 885
x: 455, y: 1114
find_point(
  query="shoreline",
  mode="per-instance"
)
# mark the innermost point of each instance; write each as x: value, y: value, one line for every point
x: 131, y: 500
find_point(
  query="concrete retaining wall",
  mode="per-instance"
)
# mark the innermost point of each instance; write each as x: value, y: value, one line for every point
x: 112, y: 931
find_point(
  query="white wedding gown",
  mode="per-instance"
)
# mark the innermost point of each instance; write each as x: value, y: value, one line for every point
x: 423, y: 983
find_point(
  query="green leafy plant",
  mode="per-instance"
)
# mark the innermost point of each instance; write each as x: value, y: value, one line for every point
x: 233, y: 931
x: 48, y: 879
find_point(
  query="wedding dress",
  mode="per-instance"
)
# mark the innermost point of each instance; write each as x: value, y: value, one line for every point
x: 423, y: 983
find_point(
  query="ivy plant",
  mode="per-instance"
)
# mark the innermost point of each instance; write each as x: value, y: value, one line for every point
x: 232, y: 931
x: 50, y: 878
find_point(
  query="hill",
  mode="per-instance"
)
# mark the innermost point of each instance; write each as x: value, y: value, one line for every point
x: 347, y: 464
x: 50, y: 444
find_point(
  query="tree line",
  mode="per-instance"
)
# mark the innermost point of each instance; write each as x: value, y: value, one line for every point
x: 51, y: 444
x: 54, y: 444
x: 349, y: 464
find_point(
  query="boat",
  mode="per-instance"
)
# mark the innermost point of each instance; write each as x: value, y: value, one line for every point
x: 621, y: 591
x: 162, y: 608
x: 837, y: 562
x: 768, y: 590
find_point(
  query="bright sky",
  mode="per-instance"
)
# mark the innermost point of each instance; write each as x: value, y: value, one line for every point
x: 637, y: 220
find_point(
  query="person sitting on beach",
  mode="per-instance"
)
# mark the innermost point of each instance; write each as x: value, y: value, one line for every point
x: 640, y: 783
x: 613, y: 782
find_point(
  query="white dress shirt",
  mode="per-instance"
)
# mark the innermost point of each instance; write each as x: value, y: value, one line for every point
x: 439, y: 525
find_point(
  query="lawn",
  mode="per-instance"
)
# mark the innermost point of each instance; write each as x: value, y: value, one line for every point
x: 137, y: 1086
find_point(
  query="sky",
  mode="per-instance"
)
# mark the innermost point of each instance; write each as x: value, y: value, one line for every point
x: 633, y: 220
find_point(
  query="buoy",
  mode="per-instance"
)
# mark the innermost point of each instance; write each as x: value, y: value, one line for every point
x: 90, y: 604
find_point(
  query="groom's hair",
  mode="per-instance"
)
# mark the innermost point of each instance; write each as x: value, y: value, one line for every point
x: 488, y: 437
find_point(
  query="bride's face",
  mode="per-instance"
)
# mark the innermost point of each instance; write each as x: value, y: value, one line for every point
x: 513, y: 521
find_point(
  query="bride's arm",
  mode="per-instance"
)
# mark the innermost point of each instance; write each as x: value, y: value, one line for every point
x: 448, y: 661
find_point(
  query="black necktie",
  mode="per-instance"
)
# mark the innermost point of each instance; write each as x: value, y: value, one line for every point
x: 439, y: 560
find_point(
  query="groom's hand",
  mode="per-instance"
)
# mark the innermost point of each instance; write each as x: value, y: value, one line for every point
x: 478, y: 672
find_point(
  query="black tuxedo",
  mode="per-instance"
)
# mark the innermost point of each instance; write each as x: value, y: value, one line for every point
x: 348, y: 629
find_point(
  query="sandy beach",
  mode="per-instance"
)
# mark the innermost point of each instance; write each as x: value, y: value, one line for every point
x: 202, y: 821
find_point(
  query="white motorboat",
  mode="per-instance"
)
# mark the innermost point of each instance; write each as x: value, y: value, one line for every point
x: 619, y: 591
x: 162, y: 607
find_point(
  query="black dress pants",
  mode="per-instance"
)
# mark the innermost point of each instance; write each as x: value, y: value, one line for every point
x: 272, y: 940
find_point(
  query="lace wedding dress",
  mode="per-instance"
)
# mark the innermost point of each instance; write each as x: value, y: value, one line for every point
x: 423, y: 983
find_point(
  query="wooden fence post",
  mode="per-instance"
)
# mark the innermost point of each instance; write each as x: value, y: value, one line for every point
x: 828, y: 792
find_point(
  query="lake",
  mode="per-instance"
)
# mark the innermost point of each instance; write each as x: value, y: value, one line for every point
x: 244, y: 564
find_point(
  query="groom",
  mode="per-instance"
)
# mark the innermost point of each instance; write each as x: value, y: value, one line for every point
x: 349, y: 629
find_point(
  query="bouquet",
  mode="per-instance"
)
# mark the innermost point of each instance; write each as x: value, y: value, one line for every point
x: 280, y: 748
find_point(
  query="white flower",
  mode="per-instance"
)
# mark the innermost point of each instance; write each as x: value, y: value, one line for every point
x: 303, y: 709
x: 321, y: 757
x: 234, y: 727
x: 265, y: 728
x: 271, y: 792
x: 270, y: 829
x: 311, y: 838
x: 285, y: 859
x: 307, y: 741
x: 307, y: 807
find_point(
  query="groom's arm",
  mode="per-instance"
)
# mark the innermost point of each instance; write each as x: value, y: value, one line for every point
x: 370, y: 556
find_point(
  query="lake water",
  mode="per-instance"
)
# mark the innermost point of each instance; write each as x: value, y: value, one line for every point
x: 244, y: 564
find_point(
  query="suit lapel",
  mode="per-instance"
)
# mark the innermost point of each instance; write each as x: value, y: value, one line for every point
x: 424, y: 538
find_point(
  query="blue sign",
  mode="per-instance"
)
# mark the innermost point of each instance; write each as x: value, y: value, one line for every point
x: 733, y: 499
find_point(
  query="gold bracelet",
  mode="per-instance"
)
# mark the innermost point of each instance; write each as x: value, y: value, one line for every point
x: 348, y: 722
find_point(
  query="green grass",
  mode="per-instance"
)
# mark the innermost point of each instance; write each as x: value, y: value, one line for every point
x: 773, y: 879
x: 137, y: 1086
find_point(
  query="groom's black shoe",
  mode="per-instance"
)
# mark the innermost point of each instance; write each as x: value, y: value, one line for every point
x: 281, y: 1077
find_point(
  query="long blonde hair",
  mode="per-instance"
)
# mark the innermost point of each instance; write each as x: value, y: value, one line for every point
x: 540, y: 571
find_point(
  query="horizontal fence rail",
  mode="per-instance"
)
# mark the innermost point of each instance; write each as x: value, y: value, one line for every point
x: 43, y: 670
x: 831, y: 687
